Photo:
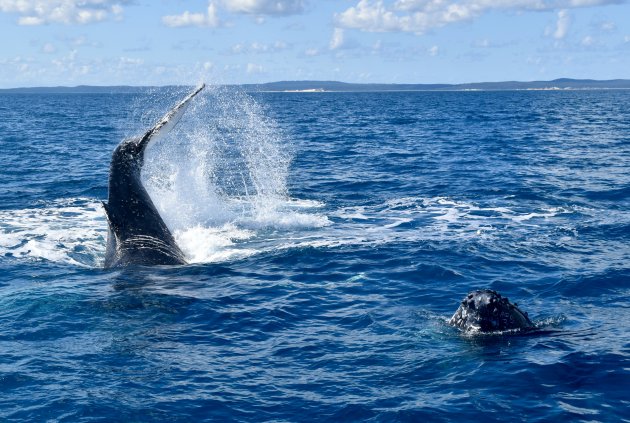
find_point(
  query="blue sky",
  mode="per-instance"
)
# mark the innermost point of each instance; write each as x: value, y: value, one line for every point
x: 159, y: 42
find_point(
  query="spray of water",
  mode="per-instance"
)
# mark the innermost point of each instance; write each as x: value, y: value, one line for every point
x: 219, y: 180
x: 220, y: 177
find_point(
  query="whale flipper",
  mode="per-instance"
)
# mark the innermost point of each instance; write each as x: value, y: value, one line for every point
x: 169, y: 120
x: 137, y: 234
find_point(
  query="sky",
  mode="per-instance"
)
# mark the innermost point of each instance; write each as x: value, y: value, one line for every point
x: 163, y: 42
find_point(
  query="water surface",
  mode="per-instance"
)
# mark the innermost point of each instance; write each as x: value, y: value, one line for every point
x: 330, y: 235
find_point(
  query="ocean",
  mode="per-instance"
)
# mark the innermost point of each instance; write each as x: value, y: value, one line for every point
x: 330, y: 237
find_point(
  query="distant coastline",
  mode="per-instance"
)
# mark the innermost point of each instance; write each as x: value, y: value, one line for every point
x: 336, y: 86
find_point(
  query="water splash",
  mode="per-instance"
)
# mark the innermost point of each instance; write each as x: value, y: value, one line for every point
x: 220, y: 177
x: 219, y: 180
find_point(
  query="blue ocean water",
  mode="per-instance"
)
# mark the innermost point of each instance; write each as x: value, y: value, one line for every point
x: 331, y: 235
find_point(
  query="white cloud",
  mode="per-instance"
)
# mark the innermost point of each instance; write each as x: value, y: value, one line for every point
x: 238, y: 48
x: 534, y: 60
x: 433, y: 51
x: 73, y: 69
x: 337, y: 39
x: 39, y: 12
x: 66, y: 64
x: 374, y: 17
x: 485, y: 43
x: 311, y: 52
x: 31, y: 21
x: 129, y: 61
x: 608, y: 26
x: 562, y: 25
x: 253, y: 68
x: 48, y: 48
x: 420, y: 16
x: 210, y: 18
x: 257, y: 47
x: 588, y: 41
x: 21, y: 69
x: 264, y: 7
x: 258, y: 8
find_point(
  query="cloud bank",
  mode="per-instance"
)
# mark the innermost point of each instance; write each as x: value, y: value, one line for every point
x: 264, y: 7
x: 420, y: 16
x: 39, y: 12
x: 258, y: 8
x: 209, y: 19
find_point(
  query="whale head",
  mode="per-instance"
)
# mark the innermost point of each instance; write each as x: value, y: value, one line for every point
x: 487, y: 311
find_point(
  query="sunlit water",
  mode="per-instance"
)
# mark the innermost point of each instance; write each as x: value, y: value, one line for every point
x: 330, y: 237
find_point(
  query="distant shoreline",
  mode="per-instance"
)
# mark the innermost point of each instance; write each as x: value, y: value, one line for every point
x: 441, y: 90
x: 563, y: 84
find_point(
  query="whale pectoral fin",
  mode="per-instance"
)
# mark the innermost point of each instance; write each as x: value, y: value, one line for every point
x: 169, y: 120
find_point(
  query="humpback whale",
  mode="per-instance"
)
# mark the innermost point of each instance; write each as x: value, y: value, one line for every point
x: 137, y: 234
x: 486, y: 310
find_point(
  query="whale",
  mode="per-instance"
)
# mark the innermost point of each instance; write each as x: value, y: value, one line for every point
x: 487, y: 311
x: 137, y: 234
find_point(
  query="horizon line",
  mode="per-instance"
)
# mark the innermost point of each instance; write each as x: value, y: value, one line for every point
x: 512, y: 81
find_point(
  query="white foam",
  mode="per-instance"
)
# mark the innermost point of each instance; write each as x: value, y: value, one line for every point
x: 452, y: 215
x: 68, y: 231
x: 413, y: 219
x: 208, y: 245
x: 397, y: 222
x: 545, y: 215
x: 355, y: 213
x: 74, y: 230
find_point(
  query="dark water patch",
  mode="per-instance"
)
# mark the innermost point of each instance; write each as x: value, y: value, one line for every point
x: 596, y: 285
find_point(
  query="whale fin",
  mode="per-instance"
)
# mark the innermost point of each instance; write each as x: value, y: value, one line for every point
x: 168, y: 122
x: 137, y: 233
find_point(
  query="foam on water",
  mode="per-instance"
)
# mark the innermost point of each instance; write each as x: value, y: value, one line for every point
x: 74, y: 230
x: 69, y: 231
x: 440, y: 218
